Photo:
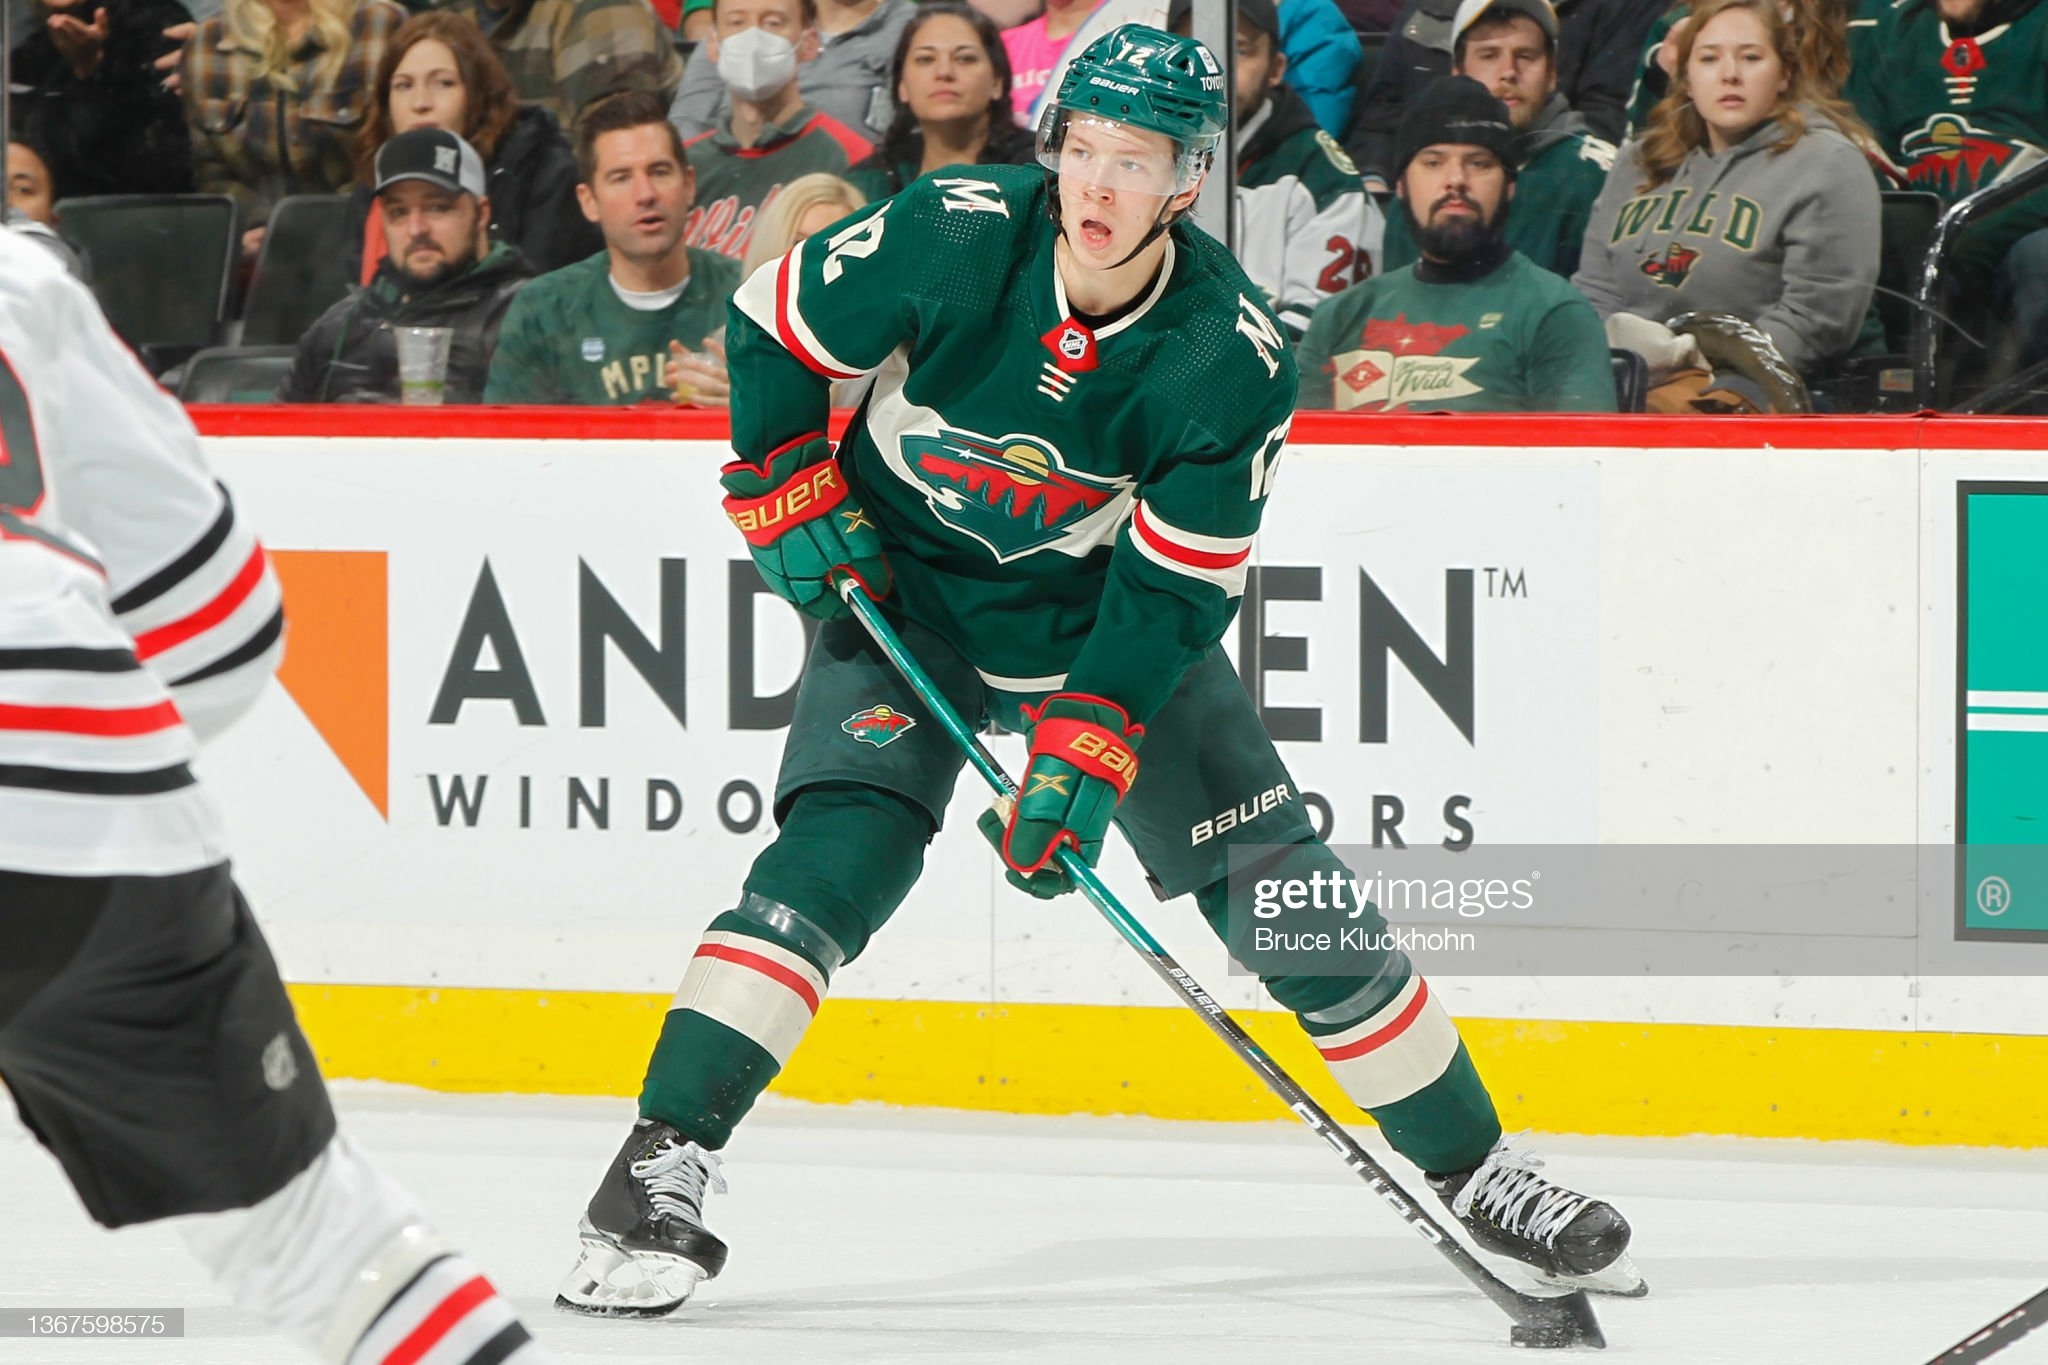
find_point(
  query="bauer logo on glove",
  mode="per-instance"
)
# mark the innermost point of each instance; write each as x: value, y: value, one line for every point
x: 811, y: 493
x: 1083, y: 761
x: 795, y: 511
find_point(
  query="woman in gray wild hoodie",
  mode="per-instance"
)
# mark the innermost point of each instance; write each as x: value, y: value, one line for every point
x: 1746, y: 194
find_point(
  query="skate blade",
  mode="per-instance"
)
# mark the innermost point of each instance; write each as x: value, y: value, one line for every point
x: 609, y: 1282
x: 1619, y: 1279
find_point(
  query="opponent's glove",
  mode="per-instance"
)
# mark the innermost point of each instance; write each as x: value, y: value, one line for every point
x: 1084, y: 758
x: 803, y: 526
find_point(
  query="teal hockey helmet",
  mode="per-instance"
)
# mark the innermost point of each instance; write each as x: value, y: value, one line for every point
x: 1149, y: 79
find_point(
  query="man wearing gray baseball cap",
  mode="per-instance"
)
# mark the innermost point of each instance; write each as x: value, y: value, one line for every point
x: 440, y: 270
x: 1561, y: 164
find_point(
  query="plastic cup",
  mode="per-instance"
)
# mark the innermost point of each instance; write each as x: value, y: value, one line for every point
x: 423, y: 363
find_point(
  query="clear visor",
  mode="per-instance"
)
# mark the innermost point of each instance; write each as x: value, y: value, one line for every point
x: 1104, y: 153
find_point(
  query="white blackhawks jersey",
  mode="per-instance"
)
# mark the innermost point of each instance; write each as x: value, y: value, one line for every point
x: 136, y: 614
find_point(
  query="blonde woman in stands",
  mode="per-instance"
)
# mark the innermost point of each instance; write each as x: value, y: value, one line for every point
x: 274, y: 93
x: 807, y: 204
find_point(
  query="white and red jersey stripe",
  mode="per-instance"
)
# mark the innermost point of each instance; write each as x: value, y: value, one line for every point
x: 773, y: 297
x: 136, y: 614
x: 760, y: 990
x: 1217, y: 560
x: 1395, y: 1051
x: 448, y: 1315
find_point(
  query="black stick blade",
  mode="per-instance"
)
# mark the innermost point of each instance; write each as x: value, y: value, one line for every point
x: 1551, y: 1324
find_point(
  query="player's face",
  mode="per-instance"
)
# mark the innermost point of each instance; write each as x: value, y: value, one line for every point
x: 1734, y: 75
x: 1512, y: 60
x: 427, y: 90
x: 1962, y: 11
x: 1114, y: 183
x: 640, y: 193
x: 28, y: 185
x: 1260, y: 67
x: 429, y: 232
x: 946, y: 74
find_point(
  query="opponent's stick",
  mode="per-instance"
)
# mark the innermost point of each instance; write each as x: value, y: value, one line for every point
x: 1988, y: 1340
x: 1540, y: 1320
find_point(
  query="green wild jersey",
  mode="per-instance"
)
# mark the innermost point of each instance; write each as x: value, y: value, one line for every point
x: 1518, y: 339
x: 1955, y: 113
x: 569, y: 338
x: 1066, y: 508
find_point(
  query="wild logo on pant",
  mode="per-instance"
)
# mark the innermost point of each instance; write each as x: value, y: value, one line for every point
x: 880, y: 726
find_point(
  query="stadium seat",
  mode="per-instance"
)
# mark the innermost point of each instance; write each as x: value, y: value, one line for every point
x: 1906, y: 227
x: 1631, y: 380
x: 235, y: 374
x: 301, y: 271
x: 161, y: 265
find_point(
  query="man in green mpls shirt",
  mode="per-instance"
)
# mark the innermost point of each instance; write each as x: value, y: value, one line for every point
x: 607, y: 330
x: 1473, y: 325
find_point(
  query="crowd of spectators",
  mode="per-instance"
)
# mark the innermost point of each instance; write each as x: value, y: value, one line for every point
x: 1450, y: 204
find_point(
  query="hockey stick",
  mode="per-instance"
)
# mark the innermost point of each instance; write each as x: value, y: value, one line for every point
x: 1988, y: 1340
x: 1540, y: 1320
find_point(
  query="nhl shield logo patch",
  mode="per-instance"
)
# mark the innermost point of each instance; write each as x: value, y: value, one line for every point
x: 593, y: 349
x: 880, y: 726
x: 1072, y: 346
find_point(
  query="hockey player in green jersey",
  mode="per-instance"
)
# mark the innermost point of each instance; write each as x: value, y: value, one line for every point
x: 1053, y: 486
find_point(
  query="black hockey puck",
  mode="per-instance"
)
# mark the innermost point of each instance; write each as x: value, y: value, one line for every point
x: 1552, y: 1324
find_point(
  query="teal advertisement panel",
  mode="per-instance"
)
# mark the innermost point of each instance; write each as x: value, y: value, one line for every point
x: 2002, y: 710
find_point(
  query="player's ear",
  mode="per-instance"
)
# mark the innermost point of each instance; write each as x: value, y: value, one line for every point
x: 808, y: 49
x: 586, y: 201
x: 1279, y: 71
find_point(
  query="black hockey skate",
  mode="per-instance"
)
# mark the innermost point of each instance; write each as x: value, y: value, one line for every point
x: 645, y: 1246
x: 1570, y: 1239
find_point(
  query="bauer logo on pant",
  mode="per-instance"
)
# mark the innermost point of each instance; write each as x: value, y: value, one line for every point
x: 878, y: 725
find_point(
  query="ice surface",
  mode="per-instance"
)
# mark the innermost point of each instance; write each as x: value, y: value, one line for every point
x: 897, y: 1235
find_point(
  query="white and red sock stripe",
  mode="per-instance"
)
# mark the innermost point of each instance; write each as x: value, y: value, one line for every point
x: 1220, y: 560
x: 758, y: 989
x: 1395, y: 1051
x: 448, y: 1315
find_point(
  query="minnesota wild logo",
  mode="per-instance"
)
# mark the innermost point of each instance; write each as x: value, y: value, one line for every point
x: 880, y: 726
x: 1014, y: 494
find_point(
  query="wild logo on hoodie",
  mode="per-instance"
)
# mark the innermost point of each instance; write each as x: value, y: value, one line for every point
x: 1672, y: 267
x: 1739, y: 223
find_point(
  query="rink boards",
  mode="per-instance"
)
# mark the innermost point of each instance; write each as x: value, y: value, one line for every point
x: 533, y: 706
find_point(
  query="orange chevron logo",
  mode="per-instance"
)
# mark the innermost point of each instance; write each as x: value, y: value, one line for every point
x: 337, y: 657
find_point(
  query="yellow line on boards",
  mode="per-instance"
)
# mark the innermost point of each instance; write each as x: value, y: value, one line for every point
x: 1623, y: 1079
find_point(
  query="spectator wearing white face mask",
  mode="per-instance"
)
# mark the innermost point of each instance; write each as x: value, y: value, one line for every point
x: 773, y: 135
x: 849, y: 79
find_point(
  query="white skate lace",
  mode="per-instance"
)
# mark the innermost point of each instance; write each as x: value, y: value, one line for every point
x: 1507, y: 1189
x: 675, y: 1178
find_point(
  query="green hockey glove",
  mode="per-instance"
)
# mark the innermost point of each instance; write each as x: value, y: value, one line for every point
x: 803, y: 527
x: 1083, y: 761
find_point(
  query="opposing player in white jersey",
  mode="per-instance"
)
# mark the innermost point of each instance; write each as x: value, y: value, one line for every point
x: 144, y: 1032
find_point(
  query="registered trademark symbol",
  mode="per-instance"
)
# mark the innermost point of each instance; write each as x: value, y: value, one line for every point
x: 1994, y: 896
